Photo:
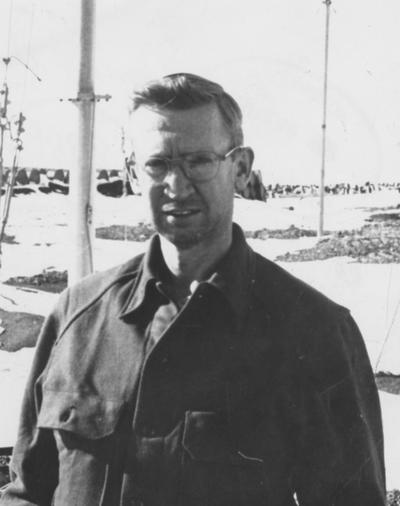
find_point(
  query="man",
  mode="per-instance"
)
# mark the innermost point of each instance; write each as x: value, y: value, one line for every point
x: 202, y: 373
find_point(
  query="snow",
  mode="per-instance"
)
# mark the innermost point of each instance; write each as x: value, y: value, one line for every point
x: 390, y: 405
x: 14, y: 368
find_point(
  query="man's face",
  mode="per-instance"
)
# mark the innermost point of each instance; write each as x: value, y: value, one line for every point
x: 187, y: 213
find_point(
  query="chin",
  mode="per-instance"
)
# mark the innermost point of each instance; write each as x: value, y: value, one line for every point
x: 184, y: 240
x: 186, y: 237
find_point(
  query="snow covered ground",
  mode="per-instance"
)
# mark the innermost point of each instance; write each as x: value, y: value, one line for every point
x: 370, y: 291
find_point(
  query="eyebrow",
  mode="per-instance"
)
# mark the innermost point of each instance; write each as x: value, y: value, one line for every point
x: 182, y: 154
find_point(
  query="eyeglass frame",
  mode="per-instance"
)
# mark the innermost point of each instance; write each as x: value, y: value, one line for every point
x: 180, y: 161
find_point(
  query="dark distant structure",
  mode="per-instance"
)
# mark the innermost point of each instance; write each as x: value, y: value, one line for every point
x: 255, y: 189
x: 114, y: 183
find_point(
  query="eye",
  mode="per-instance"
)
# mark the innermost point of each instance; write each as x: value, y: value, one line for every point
x: 199, y: 159
x: 155, y: 165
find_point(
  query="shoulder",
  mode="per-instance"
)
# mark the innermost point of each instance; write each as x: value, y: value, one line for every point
x: 284, y: 294
x: 320, y: 335
x: 76, y: 298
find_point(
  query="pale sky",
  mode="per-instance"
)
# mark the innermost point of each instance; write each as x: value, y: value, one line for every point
x: 267, y: 53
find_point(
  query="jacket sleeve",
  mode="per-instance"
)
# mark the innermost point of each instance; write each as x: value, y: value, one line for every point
x: 340, y: 452
x: 34, y: 463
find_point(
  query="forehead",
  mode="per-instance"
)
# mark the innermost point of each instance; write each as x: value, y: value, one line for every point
x: 199, y: 128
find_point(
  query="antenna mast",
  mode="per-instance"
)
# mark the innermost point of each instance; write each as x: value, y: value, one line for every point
x: 81, y: 186
x: 81, y: 178
x: 323, y: 126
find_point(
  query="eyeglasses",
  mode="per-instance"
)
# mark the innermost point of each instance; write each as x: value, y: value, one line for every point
x: 199, y: 166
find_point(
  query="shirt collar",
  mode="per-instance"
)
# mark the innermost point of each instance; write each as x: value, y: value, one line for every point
x: 231, y: 278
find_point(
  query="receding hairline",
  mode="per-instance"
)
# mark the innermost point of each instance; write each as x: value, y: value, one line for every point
x: 211, y: 106
x: 185, y: 91
x: 146, y: 118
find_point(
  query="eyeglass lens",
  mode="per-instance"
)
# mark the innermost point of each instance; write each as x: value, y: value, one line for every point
x: 197, y: 166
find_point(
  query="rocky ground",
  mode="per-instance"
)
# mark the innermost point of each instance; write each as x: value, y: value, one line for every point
x: 376, y: 242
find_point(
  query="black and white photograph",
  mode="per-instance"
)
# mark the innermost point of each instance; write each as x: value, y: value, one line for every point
x: 199, y: 253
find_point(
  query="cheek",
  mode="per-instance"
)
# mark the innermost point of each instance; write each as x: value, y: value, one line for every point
x: 149, y: 190
x: 226, y: 186
x: 151, y: 196
x: 155, y: 194
x: 220, y: 196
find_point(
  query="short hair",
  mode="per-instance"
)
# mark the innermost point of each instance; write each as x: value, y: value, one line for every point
x: 184, y: 91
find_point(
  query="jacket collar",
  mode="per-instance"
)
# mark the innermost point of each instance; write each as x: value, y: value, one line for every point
x: 152, y: 270
x: 232, y: 276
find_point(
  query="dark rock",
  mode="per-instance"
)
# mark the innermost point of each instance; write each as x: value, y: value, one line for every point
x: 59, y: 175
x: 59, y: 187
x: 21, y: 330
x: 48, y: 281
x: 22, y: 177
x: 140, y: 232
x: 111, y: 188
x: 34, y: 176
x: 103, y: 174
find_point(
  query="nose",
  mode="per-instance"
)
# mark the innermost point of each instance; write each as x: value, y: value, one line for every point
x: 176, y: 184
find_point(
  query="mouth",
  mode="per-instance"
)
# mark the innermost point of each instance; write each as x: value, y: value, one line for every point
x: 176, y: 216
x: 186, y: 212
x: 179, y: 212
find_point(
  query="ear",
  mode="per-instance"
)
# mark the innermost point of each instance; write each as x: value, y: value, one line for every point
x: 244, y: 163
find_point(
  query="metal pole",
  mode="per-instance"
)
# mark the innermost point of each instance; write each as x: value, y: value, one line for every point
x: 325, y: 97
x: 3, y: 126
x: 12, y: 177
x: 81, y: 192
x: 3, y: 122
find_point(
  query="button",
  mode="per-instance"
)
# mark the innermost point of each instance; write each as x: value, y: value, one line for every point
x: 164, y: 360
x: 66, y: 414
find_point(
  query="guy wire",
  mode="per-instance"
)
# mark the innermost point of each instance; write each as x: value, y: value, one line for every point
x: 28, y: 54
x: 387, y: 335
x: 10, y: 16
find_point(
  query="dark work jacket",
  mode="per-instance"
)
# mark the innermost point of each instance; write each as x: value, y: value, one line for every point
x: 259, y: 392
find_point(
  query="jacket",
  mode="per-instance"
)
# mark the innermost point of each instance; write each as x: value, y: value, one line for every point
x: 259, y: 392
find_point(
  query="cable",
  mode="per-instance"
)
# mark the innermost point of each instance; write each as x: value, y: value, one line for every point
x: 10, y: 16
x: 389, y: 287
x: 28, y: 55
x: 387, y: 334
x: 26, y: 66
x: 28, y: 52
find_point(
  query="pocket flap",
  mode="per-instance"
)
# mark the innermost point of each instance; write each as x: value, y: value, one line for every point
x: 89, y: 416
x: 206, y: 437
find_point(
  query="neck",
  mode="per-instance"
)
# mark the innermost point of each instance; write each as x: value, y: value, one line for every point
x: 192, y: 264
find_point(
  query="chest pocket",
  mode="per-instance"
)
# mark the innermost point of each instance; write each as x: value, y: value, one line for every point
x: 87, y: 424
x: 216, y: 471
x: 90, y: 416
